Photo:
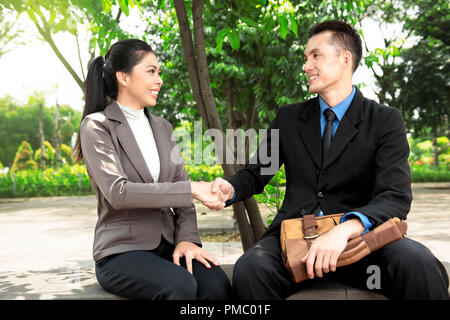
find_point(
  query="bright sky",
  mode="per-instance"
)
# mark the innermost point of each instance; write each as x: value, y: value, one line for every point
x: 35, y: 67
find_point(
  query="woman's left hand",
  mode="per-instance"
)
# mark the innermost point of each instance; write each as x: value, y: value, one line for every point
x: 191, y: 251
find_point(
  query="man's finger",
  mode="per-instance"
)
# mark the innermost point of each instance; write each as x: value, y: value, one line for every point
x: 318, y: 264
x: 326, y: 262
x: 333, y: 261
x: 310, y: 263
x: 215, y: 185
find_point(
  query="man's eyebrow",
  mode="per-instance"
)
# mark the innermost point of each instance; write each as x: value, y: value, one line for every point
x: 314, y: 50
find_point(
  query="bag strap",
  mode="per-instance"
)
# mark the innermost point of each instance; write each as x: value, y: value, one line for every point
x: 309, y: 229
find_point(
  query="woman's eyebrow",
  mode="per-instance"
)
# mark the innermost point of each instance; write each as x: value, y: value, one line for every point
x: 151, y: 65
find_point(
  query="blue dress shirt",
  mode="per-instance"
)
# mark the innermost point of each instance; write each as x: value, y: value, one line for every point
x: 340, y: 110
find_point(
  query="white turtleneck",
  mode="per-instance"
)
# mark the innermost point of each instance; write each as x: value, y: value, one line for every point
x: 142, y: 131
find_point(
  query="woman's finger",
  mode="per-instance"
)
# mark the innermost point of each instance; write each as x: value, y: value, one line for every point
x: 188, y: 258
x: 176, y: 258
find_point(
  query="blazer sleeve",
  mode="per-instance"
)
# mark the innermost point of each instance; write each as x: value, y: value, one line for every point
x: 186, y: 228
x: 391, y: 191
x: 264, y: 164
x: 103, y: 163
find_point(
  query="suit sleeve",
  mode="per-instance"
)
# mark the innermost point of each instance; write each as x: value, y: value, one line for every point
x: 391, y: 193
x: 103, y: 163
x: 261, y: 167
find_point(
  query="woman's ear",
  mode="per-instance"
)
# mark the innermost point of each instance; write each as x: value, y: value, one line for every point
x: 122, y: 77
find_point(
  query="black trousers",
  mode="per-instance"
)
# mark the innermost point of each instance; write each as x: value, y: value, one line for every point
x: 407, y: 269
x: 151, y: 275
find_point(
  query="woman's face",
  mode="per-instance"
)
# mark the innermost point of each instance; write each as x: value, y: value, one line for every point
x: 142, y: 84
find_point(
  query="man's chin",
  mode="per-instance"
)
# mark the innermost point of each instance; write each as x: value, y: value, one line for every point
x: 313, y: 89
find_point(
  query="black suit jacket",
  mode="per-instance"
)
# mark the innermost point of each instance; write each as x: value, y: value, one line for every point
x: 366, y: 168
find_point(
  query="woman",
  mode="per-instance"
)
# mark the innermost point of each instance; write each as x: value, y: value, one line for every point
x: 146, y: 243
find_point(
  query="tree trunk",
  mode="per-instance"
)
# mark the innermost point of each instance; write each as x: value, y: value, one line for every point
x: 41, y: 135
x: 435, y: 147
x: 200, y: 83
x: 58, y: 136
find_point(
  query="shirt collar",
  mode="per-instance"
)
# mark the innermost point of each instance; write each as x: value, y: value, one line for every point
x: 340, y: 108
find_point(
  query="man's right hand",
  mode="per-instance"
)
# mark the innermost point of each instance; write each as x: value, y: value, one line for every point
x: 223, y: 186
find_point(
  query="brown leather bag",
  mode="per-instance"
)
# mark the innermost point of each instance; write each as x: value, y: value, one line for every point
x: 297, y: 235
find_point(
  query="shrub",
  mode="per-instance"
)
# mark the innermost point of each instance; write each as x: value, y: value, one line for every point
x: 23, y: 159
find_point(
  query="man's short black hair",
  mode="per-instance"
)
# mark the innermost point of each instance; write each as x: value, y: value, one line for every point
x: 344, y: 35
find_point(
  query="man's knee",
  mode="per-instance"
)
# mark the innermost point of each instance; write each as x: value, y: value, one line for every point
x: 246, y: 267
x: 409, y: 255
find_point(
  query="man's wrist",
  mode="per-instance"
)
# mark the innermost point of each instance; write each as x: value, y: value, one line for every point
x: 352, y: 228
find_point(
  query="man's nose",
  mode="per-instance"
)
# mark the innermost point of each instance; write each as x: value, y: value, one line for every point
x: 307, y: 66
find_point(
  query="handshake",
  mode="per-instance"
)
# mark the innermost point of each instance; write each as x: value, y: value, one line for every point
x: 213, y: 194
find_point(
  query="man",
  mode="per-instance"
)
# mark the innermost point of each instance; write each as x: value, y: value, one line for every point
x: 362, y: 172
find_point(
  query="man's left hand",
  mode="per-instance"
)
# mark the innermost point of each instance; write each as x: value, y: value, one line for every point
x: 324, y: 252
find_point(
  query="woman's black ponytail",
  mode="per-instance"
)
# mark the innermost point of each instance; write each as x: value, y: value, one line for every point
x: 101, y: 82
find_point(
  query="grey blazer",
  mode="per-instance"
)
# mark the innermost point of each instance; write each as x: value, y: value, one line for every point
x: 133, y: 211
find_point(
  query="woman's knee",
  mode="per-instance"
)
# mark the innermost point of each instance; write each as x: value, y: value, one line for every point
x: 183, y: 286
x: 216, y: 287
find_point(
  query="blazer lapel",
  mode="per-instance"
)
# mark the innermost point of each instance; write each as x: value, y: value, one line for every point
x: 128, y: 142
x: 162, y: 145
x: 347, y: 129
x: 309, y: 130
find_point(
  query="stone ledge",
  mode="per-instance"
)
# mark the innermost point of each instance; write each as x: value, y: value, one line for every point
x: 80, y: 283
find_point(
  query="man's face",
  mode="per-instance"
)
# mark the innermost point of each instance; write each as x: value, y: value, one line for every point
x: 325, y: 64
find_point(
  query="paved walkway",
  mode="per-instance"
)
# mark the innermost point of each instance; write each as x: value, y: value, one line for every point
x: 46, y: 243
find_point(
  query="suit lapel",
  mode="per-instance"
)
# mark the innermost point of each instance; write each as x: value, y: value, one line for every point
x: 347, y: 129
x: 128, y: 142
x: 309, y: 130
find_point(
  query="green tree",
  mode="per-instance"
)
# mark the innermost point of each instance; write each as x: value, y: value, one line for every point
x: 51, y: 17
x: 66, y: 154
x: 24, y: 158
x: 422, y: 77
x: 50, y: 155
x: 20, y: 122
x: 9, y: 36
x: 225, y: 28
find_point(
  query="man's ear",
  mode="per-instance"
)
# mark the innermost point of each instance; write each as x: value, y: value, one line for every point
x: 348, y: 58
x: 122, y: 77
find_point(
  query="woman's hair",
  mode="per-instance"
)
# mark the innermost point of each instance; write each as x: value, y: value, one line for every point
x: 101, y: 81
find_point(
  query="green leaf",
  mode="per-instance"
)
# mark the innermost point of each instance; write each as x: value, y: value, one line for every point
x: 294, y: 25
x: 124, y: 6
x: 249, y: 22
x: 233, y: 38
x: 283, y: 26
x: 221, y: 35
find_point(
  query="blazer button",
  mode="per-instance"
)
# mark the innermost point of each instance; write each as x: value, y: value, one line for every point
x: 320, y: 195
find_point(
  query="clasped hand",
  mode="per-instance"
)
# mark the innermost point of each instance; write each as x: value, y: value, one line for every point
x: 213, y: 194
